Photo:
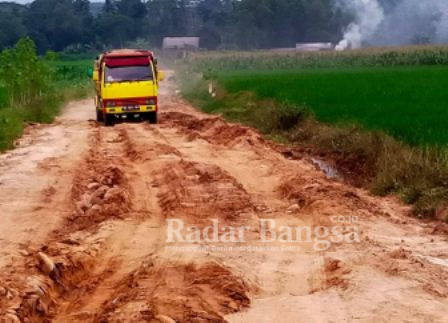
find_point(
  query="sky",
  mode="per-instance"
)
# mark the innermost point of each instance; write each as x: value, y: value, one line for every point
x: 28, y: 1
x: 17, y: 1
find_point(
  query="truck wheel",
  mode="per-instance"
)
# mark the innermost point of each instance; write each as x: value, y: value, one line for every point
x: 109, y: 120
x: 152, y: 118
x: 99, y: 115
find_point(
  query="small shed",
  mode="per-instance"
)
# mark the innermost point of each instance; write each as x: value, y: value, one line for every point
x: 191, y: 43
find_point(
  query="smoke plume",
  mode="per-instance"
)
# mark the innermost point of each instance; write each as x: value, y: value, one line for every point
x: 394, y: 22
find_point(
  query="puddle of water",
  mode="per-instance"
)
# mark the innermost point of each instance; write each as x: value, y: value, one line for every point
x: 329, y: 170
x: 437, y: 261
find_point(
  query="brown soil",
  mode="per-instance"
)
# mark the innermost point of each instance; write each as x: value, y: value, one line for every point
x: 83, y: 230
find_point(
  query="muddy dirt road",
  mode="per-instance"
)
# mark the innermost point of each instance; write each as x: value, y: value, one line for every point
x: 83, y: 230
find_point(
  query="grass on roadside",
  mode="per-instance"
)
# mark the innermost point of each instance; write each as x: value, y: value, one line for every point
x: 32, y: 89
x: 42, y: 110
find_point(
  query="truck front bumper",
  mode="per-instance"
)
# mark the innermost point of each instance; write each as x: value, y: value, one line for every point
x: 131, y: 110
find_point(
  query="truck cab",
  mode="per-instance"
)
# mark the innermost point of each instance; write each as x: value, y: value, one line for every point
x: 126, y: 84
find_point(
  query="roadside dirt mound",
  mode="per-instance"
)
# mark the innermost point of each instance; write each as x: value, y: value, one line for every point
x: 325, y: 198
x: 102, y: 194
x: 226, y: 134
x: 58, y: 271
x: 177, y: 293
x: 181, y: 119
x: 201, y: 192
x: 214, y: 130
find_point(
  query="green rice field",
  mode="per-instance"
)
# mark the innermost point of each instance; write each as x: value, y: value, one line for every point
x: 408, y: 102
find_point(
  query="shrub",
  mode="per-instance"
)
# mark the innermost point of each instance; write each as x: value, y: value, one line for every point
x: 24, y: 76
x: 33, y: 89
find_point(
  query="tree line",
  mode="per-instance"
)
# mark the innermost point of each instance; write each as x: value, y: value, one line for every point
x: 221, y: 24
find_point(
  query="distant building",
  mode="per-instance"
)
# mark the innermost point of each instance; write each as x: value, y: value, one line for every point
x: 314, y: 47
x: 185, y: 43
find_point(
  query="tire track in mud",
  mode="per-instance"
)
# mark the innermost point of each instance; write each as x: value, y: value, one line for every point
x: 170, y: 288
x: 77, y: 276
x: 107, y: 209
x: 67, y: 260
x: 68, y: 263
x: 135, y: 233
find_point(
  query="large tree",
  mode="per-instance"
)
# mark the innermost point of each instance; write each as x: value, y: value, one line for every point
x: 168, y: 18
x: 55, y: 24
x: 216, y: 19
x: 11, y: 29
x: 120, y: 21
x: 235, y: 24
x: 11, y: 23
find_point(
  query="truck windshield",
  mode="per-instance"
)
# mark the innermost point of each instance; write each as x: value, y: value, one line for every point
x: 128, y: 74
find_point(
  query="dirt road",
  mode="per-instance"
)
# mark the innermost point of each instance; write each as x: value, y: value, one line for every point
x: 83, y: 230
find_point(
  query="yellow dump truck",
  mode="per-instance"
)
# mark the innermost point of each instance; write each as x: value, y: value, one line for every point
x: 126, y: 83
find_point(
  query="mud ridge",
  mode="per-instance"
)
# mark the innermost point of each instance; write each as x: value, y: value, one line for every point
x: 199, y: 191
x: 214, y: 130
x: 170, y: 292
x: 100, y: 190
x: 317, y: 195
